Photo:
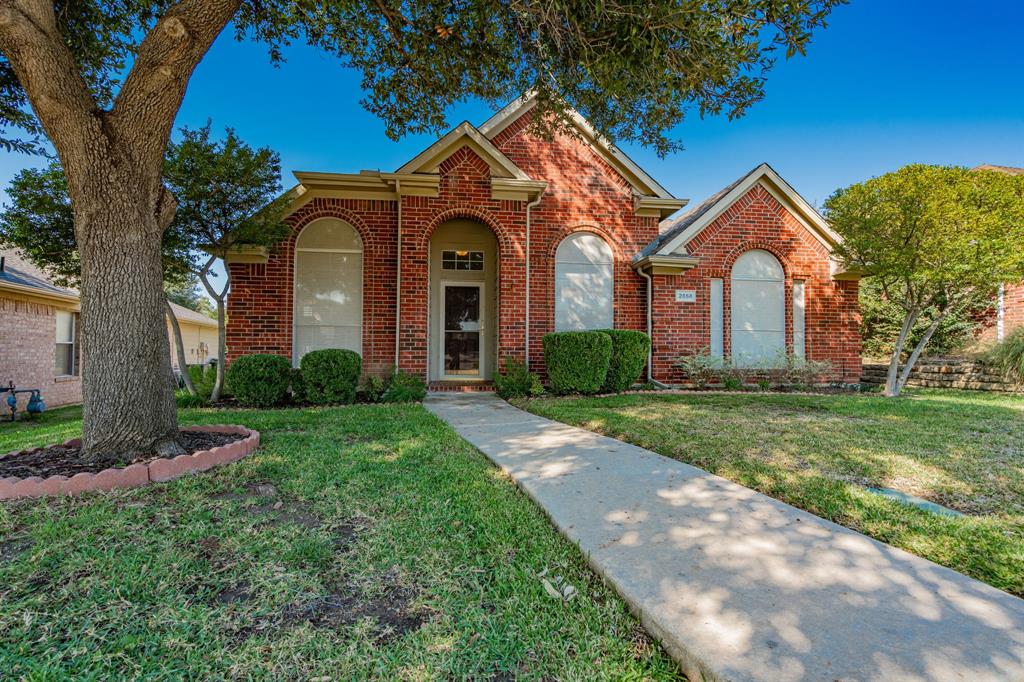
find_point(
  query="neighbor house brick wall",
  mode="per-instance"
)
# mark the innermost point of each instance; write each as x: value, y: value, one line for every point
x: 28, y: 343
x: 1013, y: 307
x: 758, y: 221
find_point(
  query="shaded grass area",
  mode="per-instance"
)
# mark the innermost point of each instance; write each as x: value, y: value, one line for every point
x: 359, y: 542
x: 963, y: 450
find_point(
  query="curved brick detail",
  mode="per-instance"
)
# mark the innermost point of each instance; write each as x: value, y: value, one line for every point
x: 135, y: 475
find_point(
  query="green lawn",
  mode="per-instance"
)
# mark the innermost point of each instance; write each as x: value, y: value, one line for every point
x: 964, y: 450
x: 360, y: 542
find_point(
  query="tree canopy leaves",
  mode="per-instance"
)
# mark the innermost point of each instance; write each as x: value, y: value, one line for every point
x: 633, y: 68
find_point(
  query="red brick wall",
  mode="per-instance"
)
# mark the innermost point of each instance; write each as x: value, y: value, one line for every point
x: 584, y: 194
x: 28, y: 342
x: 1013, y: 307
x: 758, y: 221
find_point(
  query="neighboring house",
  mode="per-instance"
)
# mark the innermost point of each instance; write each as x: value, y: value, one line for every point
x: 493, y: 237
x: 1010, y: 300
x: 40, y: 343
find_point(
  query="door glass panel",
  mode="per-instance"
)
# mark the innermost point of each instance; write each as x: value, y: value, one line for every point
x: 462, y: 330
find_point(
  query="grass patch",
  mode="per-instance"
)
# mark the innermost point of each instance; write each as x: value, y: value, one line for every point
x: 963, y: 450
x: 358, y: 542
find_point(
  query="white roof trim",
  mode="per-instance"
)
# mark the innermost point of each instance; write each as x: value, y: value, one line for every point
x: 643, y: 183
x: 766, y: 176
x: 427, y: 160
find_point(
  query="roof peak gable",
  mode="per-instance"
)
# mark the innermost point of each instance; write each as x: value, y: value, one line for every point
x: 463, y: 135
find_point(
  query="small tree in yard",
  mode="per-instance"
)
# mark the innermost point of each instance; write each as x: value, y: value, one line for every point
x: 227, y: 196
x: 103, y: 81
x: 935, y: 240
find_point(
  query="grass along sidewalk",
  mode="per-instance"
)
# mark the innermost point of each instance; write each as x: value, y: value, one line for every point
x: 358, y: 542
x: 962, y: 450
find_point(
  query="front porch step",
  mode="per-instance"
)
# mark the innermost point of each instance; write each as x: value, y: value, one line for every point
x: 461, y: 386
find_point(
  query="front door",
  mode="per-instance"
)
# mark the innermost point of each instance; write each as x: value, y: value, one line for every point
x: 462, y: 312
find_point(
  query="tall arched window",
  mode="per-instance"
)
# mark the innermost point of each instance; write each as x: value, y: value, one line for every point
x: 758, y: 309
x: 583, y: 283
x: 328, y: 288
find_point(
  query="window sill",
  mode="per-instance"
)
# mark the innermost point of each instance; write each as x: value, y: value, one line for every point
x: 65, y: 378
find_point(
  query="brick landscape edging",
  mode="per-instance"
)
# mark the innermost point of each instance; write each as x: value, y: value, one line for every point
x: 135, y: 475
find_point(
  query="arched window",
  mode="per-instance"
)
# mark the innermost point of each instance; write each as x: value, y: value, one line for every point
x: 758, y: 309
x: 583, y: 283
x: 328, y: 288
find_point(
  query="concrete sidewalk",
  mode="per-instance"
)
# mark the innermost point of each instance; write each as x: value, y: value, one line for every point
x: 736, y: 585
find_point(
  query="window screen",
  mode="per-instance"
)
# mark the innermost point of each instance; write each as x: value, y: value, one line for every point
x: 758, y: 310
x: 328, y: 288
x: 799, y: 318
x: 583, y: 283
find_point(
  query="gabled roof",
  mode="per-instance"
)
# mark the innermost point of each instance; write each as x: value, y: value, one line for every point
x: 678, y: 232
x: 642, y: 183
x: 19, y: 274
x: 187, y: 315
x: 1009, y: 170
x: 463, y: 135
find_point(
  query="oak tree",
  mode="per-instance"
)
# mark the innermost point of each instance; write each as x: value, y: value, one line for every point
x: 103, y: 81
x: 935, y: 240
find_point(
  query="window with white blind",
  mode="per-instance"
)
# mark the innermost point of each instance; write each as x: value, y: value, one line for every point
x: 717, y: 317
x: 328, y: 288
x: 66, y: 353
x: 584, y: 284
x: 799, y: 318
x: 758, y: 310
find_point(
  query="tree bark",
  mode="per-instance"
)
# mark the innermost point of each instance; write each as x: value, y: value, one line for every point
x: 912, y: 360
x: 127, y: 384
x: 179, y: 349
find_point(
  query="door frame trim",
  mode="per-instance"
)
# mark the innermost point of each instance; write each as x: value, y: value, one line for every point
x: 481, y: 285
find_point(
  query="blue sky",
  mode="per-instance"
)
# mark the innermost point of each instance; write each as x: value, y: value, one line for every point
x: 886, y: 84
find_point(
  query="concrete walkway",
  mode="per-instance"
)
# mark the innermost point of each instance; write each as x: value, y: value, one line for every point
x: 736, y: 585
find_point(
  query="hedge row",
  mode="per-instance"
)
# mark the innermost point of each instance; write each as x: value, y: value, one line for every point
x: 608, y: 360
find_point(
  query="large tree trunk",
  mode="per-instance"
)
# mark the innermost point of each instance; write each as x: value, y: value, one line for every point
x: 127, y: 384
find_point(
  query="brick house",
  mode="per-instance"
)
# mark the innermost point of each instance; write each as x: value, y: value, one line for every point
x: 493, y: 237
x: 40, y: 343
x: 1009, y: 304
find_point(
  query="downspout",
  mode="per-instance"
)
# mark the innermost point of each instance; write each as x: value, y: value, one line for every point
x: 527, y: 335
x: 398, y: 276
x: 650, y: 330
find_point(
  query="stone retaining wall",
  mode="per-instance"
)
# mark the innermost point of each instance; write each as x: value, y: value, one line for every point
x: 945, y: 373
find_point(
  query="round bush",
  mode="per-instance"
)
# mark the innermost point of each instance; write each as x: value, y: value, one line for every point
x: 577, y: 362
x: 330, y: 375
x: 629, y: 355
x: 260, y: 380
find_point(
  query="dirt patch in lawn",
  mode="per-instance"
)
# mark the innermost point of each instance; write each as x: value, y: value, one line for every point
x: 12, y: 548
x: 66, y: 460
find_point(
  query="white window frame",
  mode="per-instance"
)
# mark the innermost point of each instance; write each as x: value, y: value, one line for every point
x: 73, y: 343
x: 733, y: 308
x: 611, y: 279
x: 295, y: 282
x: 717, y: 298
x: 799, y: 318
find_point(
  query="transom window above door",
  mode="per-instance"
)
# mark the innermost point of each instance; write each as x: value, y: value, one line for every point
x: 455, y: 259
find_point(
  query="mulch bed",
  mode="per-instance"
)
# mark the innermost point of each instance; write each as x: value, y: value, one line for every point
x: 65, y: 460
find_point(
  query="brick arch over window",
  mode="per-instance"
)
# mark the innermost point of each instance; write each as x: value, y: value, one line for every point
x: 617, y: 251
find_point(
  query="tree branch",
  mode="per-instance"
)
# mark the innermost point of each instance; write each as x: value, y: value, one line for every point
x: 167, y: 56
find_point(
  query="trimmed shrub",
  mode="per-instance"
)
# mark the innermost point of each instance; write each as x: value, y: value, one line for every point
x: 374, y: 388
x: 517, y: 381
x: 577, y: 362
x: 260, y: 380
x: 330, y: 375
x: 404, y: 388
x: 629, y: 356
